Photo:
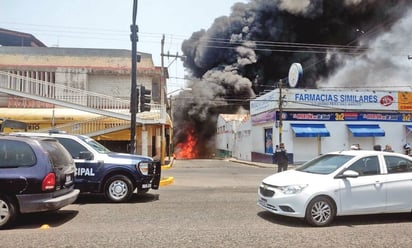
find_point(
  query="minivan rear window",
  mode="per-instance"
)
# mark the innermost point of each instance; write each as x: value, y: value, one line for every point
x: 57, y: 153
x: 16, y: 154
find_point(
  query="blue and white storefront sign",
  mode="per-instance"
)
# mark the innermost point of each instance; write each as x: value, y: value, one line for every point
x: 345, y: 116
x: 353, y: 100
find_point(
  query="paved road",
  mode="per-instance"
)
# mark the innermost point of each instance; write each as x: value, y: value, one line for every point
x: 210, y: 204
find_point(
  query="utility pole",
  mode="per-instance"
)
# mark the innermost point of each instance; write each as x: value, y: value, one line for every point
x: 162, y: 73
x: 163, y: 93
x: 176, y: 56
x: 133, y: 96
x: 162, y: 102
x: 280, y: 110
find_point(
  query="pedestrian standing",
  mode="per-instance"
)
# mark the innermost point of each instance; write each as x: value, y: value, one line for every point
x: 281, y: 157
x: 388, y: 148
x: 274, y: 160
x: 407, y: 148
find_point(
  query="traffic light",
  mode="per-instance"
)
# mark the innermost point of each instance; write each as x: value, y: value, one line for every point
x: 145, y: 98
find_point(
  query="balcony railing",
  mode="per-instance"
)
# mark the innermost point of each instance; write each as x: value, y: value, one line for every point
x: 75, y: 98
x: 92, y: 127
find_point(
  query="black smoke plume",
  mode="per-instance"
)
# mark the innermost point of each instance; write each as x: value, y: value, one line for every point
x: 250, y: 50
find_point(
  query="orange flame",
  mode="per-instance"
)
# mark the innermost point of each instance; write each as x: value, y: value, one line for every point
x: 187, y: 150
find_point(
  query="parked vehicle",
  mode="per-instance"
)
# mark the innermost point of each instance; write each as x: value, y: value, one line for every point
x: 36, y: 175
x: 99, y: 170
x: 341, y: 183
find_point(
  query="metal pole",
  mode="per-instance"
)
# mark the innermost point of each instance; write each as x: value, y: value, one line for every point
x: 133, y: 96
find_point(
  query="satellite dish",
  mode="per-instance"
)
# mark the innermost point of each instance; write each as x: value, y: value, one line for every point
x: 295, y: 74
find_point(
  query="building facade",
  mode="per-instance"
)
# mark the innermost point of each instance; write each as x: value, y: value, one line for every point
x: 230, y: 134
x: 315, y: 121
x: 103, y: 71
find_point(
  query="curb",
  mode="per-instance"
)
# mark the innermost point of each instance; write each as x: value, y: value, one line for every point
x: 169, y: 165
x: 166, y: 181
x: 166, y: 166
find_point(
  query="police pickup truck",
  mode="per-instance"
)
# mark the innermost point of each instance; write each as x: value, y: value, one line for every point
x: 99, y: 170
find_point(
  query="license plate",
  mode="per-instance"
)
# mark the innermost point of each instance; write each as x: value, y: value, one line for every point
x: 146, y: 186
x: 69, y: 179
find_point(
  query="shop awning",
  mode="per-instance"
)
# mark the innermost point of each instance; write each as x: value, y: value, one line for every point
x: 372, y: 130
x: 310, y: 130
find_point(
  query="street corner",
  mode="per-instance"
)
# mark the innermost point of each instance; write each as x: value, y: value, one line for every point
x: 168, y: 164
x: 166, y: 181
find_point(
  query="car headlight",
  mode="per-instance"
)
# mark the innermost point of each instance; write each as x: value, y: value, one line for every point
x: 293, y: 189
x: 143, y: 167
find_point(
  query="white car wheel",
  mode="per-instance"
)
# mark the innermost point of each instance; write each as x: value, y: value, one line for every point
x: 320, y: 211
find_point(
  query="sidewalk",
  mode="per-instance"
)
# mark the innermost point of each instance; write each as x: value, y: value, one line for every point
x: 257, y: 164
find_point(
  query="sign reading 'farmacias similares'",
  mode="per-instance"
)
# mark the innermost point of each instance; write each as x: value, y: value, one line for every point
x: 335, y: 100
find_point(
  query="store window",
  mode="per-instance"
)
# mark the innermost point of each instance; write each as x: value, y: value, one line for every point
x: 268, y: 140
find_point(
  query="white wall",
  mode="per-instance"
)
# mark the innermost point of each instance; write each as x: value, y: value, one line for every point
x: 242, y: 147
x: 341, y: 139
x: 222, y: 135
x: 234, y: 135
x: 72, y: 77
x: 110, y: 84
x: 306, y: 148
x: 258, y: 134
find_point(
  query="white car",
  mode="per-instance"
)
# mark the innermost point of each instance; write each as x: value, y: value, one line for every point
x: 340, y: 183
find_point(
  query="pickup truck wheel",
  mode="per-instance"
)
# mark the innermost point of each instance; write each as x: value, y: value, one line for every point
x: 8, y: 211
x: 118, y: 188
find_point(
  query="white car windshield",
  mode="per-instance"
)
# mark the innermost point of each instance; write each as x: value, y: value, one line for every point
x: 325, y: 164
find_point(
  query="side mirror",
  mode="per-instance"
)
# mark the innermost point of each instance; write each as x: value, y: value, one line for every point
x: 348, y: 174
x: 87, y: 155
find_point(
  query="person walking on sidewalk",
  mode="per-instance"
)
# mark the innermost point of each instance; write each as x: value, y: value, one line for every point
x: 281, y: 157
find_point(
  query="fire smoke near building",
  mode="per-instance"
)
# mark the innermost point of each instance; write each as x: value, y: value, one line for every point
x: 249, y: 51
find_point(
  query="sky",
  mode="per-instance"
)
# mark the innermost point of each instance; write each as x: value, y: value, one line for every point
x: 106, y: 24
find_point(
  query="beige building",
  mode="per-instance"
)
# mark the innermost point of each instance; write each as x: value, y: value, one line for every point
x: 105, y: 72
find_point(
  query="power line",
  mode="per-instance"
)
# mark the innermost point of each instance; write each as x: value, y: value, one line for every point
x: 210, y: 42
x: 82, y: 32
